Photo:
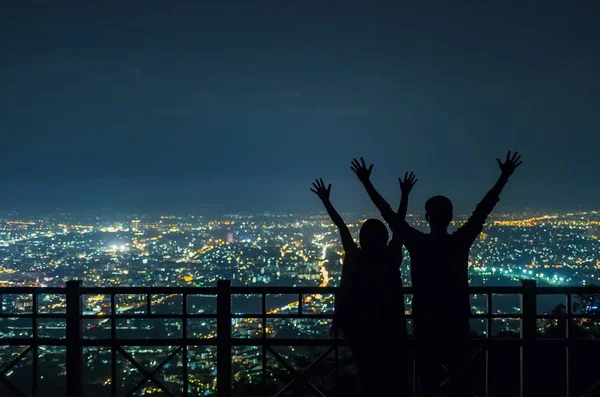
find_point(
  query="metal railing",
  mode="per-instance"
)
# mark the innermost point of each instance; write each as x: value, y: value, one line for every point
x: 528, y: 342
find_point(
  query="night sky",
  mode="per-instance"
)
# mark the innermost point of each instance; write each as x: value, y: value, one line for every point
x: 237, y: 106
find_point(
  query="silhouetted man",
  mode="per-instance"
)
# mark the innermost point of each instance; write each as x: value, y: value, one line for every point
x: 370, y: 293
x: 439, y: 271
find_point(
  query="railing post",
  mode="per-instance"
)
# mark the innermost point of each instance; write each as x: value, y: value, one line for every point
x: 224, y: 338
x: 528, y: 336
x: 74, y: 350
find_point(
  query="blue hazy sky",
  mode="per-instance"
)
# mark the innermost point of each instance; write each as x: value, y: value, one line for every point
x: 239, y: 105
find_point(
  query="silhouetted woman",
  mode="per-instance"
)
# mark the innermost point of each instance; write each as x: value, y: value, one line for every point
x: 370, y: 303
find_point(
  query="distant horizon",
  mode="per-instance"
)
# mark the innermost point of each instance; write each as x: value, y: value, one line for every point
x: 100, y: 212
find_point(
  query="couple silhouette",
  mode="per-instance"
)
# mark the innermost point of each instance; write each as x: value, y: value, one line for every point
x: 370, y: 311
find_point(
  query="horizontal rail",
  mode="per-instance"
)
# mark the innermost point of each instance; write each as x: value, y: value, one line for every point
x: 308, y: 316
x: 273, y: 290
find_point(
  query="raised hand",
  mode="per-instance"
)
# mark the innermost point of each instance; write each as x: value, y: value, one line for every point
x: 360, y: 169
x: 320, y: 190
x: 510, y: 164
x: 408, y: 182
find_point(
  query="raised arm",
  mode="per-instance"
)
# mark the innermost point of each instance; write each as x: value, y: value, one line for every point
x: 403, y: 231
x: 475, y: 223
x: 364, y: 174
x: 324, y: 192
x: 406, y: 186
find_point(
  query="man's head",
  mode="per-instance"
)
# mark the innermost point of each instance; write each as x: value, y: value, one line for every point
x: 373, y: 235
x: 439, y: 212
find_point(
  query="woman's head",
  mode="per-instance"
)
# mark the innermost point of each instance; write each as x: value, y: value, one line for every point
x: 373, y: 235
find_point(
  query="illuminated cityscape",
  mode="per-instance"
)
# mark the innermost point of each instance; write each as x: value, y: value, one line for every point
x: 557, y: 249
x: 258, y: 250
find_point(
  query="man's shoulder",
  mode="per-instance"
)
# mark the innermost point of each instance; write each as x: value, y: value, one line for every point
x: 410, y: 232
x: 458, y: 233
x: 420, y: 237
x: 351, y: 257
x: 465, y: 234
